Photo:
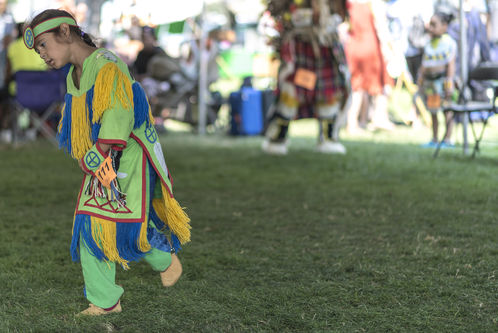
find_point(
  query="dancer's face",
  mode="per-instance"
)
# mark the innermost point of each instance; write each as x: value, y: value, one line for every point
x: 52, y: 49
x: 437, y: 27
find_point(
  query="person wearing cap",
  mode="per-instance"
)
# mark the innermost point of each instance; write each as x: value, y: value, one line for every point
x: 125, y: 209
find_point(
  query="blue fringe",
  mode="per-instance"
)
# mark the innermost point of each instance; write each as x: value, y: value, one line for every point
x: 95, y: 126
x: 114, y: 192
x: 83, y: 228
x: 176, y: 242
x: 158, y: 240
x: 127, y: 236
x: 160, y: 225
x: 141, y: 114
x: 64, y: 135
x: 155, y: 219
x: 141, y: 106
x: 155, y: 240
x: 152, y: 213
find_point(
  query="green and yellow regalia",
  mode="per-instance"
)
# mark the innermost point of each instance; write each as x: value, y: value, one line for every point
x: 112, y: 221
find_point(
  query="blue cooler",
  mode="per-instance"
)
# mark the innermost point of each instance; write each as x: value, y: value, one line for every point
x: 246, y: 112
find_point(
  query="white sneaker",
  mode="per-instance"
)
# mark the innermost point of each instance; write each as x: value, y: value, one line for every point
x: 274, y: 148
x: 330, y: 147
x: 6, y: 136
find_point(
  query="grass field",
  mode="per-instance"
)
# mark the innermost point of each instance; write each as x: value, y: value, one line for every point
x: 382, y: 239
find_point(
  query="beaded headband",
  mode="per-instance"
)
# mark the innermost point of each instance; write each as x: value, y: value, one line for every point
x: 30, y: 35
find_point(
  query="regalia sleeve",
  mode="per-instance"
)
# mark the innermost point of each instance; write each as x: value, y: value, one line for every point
x: 113, y: 105
x: 93, y: 159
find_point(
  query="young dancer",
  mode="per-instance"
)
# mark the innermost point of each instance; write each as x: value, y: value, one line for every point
x: 125, y: 204
x: 313, y: 77
x: 437, y: 73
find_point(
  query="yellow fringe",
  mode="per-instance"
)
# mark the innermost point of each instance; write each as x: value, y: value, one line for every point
x: 143, y: 242
x: 169, y: 211
x: 151, y: 117
x: 104, y: 234
x: 111, y: 86
x: 59, y: 126
x: 80, y: 127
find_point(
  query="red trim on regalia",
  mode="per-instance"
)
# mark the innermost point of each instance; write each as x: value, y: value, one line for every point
x: 99, y: 149
x: 124, y: 220
x: 85, y: 167
x: 112, y: 307
x: 112, y: 142
x: 133, y: 136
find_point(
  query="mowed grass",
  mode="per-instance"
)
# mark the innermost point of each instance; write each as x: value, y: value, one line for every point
x: 382, y: 239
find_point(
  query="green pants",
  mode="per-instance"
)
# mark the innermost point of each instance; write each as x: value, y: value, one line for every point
x: 100, y: 285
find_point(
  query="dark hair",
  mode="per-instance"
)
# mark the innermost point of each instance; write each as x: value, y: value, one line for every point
x: 51, y: 13
x: 444, y: 17
x: 146, y: 30
x: 20, y: 29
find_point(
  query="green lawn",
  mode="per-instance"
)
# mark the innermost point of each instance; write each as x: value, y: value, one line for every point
x: 382, y: 239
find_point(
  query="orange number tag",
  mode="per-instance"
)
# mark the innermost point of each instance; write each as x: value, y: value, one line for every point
x: 105, y: 173
x: 434, y: 101
x: 305, y: 78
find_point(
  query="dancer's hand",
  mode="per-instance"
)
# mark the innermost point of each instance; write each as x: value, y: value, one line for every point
x: 80, y: 164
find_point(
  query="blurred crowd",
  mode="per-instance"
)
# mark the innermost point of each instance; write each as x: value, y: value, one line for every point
x: 388, y: 45
x: 400, y: 31
x: 418, y: 43
x: 383, y: 42
x: 170, y: 81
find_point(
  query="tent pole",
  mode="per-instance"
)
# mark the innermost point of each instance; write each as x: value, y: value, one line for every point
x: 203, y: 69
x: 463, y: 71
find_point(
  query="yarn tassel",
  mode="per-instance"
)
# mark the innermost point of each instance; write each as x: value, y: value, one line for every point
x: 174, y: 245
x: 111, y: 86
x: 131, y: 240
x: 104, y: 235
x: 176, y: 242
x: 155, y: 218
x: 80, y: 127
x: 95, y: 125
x: 116, y: 195
x: 82, y: 231
x: 108, y: 240
x: 64, y: 127
x: 143, y: 242
x: 141, y: 106
x: 169, y: 211
x: 95, y: 188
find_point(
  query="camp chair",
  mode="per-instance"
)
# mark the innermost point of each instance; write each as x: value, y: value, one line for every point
x: 469, y: 108
x: 42, y: 93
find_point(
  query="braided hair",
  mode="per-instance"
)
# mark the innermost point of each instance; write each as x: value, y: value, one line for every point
x: 51, y: 13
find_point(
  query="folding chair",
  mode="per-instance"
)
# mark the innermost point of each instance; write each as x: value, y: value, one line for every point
x: 465, y: 106
x: 42, y: 93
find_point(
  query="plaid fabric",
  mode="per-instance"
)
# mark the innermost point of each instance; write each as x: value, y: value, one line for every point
x: 330, y: 84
